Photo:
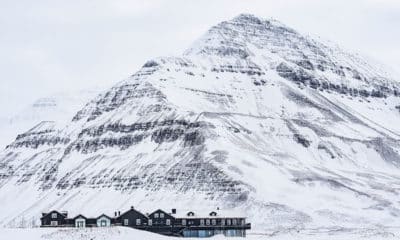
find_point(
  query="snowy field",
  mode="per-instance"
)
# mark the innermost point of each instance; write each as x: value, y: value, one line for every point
x: 121, y: 233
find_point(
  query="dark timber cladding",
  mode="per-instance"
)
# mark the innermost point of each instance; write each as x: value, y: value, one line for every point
x: 132, y: 218
x: 54, y: 219
x: 174, y: 223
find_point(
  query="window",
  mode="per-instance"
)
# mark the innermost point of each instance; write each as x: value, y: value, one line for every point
x: 228, y: 222
x: 126, y: 222
x: 234, y: 222
x: 168, y: 222
x: 54, y: 215
x: 222, y: 222
x: 103, y: 223
x: 138, y: 221
x: 156, y: 215
x: 80, y: 223
x: 53, y: 223
x: 161, y: 215
x: 214, y: 222
x: 201, y: 221
x: 183, y: 222
x: 243, y: 222
x: 150, y: 222
x: 208, y: 222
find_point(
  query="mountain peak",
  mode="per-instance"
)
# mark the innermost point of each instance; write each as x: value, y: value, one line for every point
x: 235, y: 35
x: 248, y: 18
x: 251, y: 19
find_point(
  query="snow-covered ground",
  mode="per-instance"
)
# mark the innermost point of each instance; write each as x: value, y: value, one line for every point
x: 122, y: 233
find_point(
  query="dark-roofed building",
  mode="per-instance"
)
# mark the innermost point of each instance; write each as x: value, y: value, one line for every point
x: 132, y: 218
x: 183, y: 224
x: 54, y: 219
x: 160, y: 218
x: 162, y: 222
x: 228, y: 223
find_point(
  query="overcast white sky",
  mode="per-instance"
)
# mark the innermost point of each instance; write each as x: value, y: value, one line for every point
x: 49, y: 46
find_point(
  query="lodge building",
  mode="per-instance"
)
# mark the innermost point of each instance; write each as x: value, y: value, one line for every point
x: 183, y: 224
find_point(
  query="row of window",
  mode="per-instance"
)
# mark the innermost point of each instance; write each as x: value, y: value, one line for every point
x: 156, y: 215
x: 184, y: 222
x: 214, y: 222
x: 150, y: 222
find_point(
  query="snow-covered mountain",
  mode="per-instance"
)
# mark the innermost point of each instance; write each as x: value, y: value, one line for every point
x: 256, y: 116
x: 58, y: 108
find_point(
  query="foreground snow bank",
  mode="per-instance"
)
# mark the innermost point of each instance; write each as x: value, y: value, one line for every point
x: 113, y: 233
x: 121, y: 233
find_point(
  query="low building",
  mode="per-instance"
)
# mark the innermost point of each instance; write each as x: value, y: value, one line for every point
x: 80, y: 221
x: 54, y: 219
x: 162, y: 222
x: 183, y: 223
x: 228, y: 223
x: 104, y: 221
x: 132, y: 218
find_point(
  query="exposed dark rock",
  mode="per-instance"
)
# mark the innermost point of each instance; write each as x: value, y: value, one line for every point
x: 117, y: 97
x: 325, y: 148
x: 302, y: 140
x: 250, y: 69
x: 150, y: 63
x: 36, y: 139
x: 91, y: 140
x: 305, y: 64
x: 299, y: 76
x: 335, y: 183
x: 383, y: 147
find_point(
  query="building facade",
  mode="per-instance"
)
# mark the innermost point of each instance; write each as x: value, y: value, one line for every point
x: 183, y: 224
x: 104, y: 221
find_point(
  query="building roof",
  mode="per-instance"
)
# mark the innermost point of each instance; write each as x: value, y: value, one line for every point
x: 65, y: 214
x: 225, y: 213
x: 160, y: 210
x: 104, y: 215
x: 79, y: 216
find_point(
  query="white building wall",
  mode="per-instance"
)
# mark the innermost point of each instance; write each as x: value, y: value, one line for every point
x: 80, y: 222
x: 103, y: 218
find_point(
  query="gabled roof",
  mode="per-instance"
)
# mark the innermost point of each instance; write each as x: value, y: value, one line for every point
x: 160, y: 210
x: 190, y: 213
x: 132, y: 209
x: 227, y: 213
x: 104, y: 215
x: 53, y: 211
x: 81, y: 216
x: 213, y: 213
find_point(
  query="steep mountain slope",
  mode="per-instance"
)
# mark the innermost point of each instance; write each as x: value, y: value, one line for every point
x: 255, y: 116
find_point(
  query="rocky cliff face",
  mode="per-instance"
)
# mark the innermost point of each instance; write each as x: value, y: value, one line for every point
x: 254, y: 115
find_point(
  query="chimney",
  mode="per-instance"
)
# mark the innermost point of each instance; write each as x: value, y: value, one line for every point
x: 173, y: 211
x: 119, y: 213
x: 115, y: 214
x: 132, y: 207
